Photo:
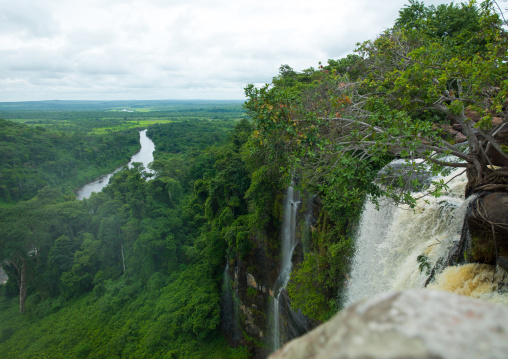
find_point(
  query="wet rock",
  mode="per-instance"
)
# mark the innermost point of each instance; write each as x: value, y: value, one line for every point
x: 502, y: 262
x: 250, y: 322
x: 421, y: 324
x: 488, y: 226
x: 229, y: 323
x: 294, y: 323
x: 259, y: 270
x: 248, y: 317
x: 494, y: 209
x: 251, y: 281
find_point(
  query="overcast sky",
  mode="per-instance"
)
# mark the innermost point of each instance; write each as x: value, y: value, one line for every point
x: 172, y: 49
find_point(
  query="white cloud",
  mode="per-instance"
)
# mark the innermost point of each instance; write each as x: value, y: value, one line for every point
x: 26, y: 19
x: 157, y: 49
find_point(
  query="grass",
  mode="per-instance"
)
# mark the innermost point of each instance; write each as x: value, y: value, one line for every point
x: 105, y: 117
x: 130, y: 124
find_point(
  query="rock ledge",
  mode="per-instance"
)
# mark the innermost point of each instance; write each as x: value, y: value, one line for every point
x: 412, y: 324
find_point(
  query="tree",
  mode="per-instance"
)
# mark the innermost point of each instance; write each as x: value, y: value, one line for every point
x: 23, y: 230
x: 61, y: 257
x: 423, y: 76
x: 417, y: 82
x: 85, y: 265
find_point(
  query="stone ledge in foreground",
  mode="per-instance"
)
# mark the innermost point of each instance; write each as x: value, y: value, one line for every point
x: 413, y: 324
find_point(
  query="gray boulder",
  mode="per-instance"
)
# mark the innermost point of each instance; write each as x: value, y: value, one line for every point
x: 413, y: 324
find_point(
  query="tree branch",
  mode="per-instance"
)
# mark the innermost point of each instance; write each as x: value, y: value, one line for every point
x: 448, y: 164
x: 377, y: 129
x: 493, y: 142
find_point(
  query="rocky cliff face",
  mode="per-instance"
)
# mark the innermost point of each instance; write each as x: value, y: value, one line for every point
x: 421, y: 324
x: 484, y: 237
x: 253, y: 278
x: 488, y: 226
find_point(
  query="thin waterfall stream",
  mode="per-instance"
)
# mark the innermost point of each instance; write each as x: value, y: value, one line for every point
x: 288, y: 244
x: 229, y: 307
x: 3, y: 276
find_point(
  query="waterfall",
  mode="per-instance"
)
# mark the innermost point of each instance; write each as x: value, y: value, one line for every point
x: 398, y: 248
x: 276, y: 323
x: 475, y: 280
x: 3, y: 276
x: 288, y: 238
x: 288, y: 244
x: 229, y: 308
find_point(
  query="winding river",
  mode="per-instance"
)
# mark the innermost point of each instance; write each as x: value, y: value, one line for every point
x: 145, y: 156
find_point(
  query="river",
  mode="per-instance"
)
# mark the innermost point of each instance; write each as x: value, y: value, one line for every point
x: 145, y: 156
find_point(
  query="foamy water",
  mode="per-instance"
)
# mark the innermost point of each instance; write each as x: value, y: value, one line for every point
x: 391, y: 241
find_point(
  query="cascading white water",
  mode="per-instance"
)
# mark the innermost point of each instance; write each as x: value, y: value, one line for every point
x: 276, y: 323
x: 396, y: 247
x: 288, y: 244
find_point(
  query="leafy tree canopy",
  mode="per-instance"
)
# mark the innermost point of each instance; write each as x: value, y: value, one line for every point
x: 437, y: 66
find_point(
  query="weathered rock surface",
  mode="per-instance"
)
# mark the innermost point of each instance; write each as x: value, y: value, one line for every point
x: 253, y: 278
x: 489, y: 217
x: 294, y: 323
x: 460, y: 137
x: 493, y: 208
x: 253, y: 302
x: 413, y: 324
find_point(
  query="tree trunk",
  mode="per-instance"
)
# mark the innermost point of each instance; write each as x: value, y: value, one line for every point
x: 476, y: 173
x: 123, y: 258
x: 22, y: 288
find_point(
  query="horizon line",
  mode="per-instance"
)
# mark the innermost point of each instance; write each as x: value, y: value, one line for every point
x: 125, y: 100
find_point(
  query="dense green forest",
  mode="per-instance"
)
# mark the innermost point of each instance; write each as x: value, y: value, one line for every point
x: 136, y: 270
x: 36, y: 157
x: 132, y: 248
